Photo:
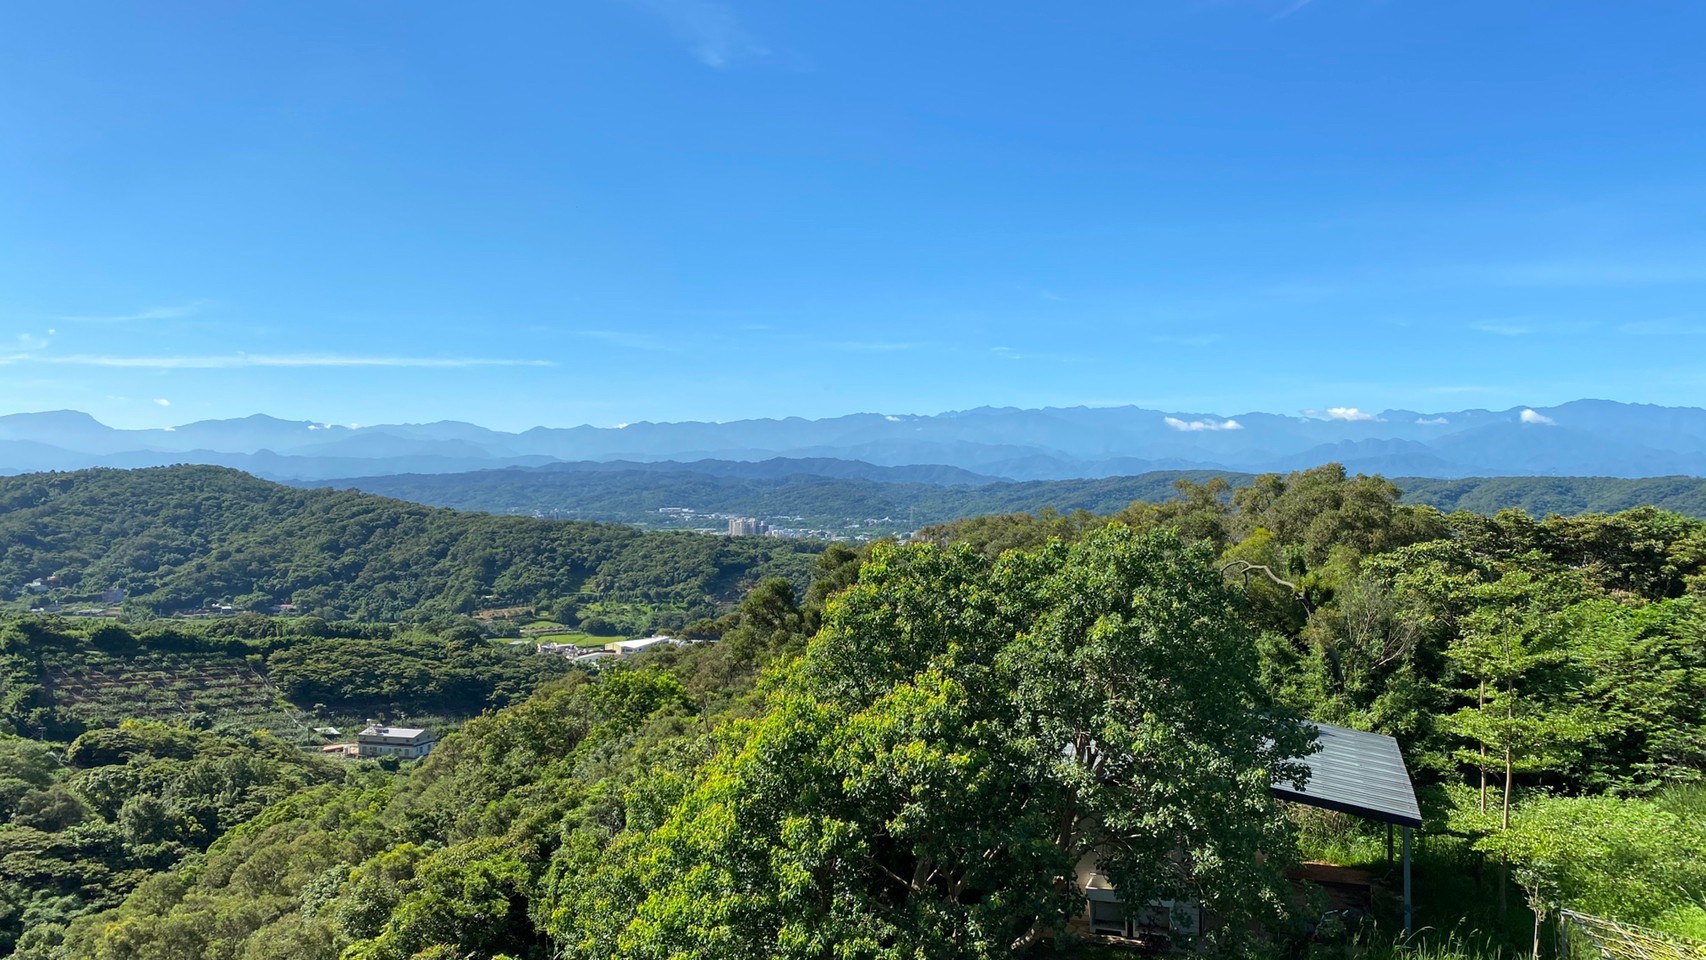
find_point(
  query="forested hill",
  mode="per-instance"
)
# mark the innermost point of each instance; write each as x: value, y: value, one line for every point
x: 635, y: 496
x: 1545, y: 679
x: 178, y: 537
x: 1567, y: 496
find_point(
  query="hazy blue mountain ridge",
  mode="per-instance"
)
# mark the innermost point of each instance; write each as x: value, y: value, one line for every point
x: 1584, y: 437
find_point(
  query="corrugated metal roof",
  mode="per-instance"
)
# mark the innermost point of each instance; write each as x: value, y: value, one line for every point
x: 405, y: 733
x: 1359, y: 773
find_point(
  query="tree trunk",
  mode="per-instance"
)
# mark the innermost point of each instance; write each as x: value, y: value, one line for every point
x: 1504, y: 886
x: 1505, y: 823
x: 1510, y: 765
x: 1537, y: 914
x: 1505, y: 820
x: 1481, y: 704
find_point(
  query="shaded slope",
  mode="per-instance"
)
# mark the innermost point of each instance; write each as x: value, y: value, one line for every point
x: 176, y: 537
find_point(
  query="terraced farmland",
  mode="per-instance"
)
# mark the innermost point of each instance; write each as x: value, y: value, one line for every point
x: 101, y: 689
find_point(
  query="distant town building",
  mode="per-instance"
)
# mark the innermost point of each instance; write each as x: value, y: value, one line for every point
x: 627, y: 648
x: 747, y: 527
x: 405, y: 743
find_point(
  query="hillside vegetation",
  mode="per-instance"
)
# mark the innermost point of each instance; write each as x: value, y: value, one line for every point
x: 176, y: 538
x: 1541, y: 496
x: 635, y: 496
x: 909, y: 759
x: 60, y: 678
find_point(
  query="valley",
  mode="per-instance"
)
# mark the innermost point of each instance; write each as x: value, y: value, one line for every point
x: 157, y: 763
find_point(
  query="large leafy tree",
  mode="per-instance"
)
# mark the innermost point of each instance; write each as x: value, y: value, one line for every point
x: 958, y: 737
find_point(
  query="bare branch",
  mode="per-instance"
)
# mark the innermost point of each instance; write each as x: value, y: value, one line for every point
x: 1245, y: 567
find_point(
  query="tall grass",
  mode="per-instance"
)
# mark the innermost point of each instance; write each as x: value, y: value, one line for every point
x: 1456, y: 899
x: 1686, y: 800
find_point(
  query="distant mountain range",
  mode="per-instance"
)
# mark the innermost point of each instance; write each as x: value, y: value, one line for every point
x: 1581, y: 438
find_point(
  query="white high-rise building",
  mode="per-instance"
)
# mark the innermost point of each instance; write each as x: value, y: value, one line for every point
x: 747, y: 527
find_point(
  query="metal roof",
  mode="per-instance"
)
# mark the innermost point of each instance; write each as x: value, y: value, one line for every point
x: 1359, y: 773
x: 403, y: 733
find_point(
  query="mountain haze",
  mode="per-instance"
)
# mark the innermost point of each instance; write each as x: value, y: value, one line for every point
x: 1583, y: 438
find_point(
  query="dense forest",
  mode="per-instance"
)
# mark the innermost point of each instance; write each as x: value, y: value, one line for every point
x: 106, y: 782
x: 176, y: 538
x: 908, y: 757
x: 635, y: 495
x: 1542, y: 496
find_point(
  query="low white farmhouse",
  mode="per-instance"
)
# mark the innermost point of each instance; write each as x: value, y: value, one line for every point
x: 406, y: 743
x: 627, y: 648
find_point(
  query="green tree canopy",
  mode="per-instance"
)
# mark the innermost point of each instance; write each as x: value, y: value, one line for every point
x: 955, y: 741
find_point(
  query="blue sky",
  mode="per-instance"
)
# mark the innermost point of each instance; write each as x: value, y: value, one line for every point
x: 606, y: 211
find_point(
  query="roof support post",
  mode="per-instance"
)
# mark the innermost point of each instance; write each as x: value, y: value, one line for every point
x: 1409, y: 913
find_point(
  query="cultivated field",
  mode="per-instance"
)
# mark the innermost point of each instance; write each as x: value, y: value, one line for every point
x: 209, y: 689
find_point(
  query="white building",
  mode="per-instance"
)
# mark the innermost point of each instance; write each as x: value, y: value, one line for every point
x: 627, y: 648
x: 406, y: 743
x: 747, y: 527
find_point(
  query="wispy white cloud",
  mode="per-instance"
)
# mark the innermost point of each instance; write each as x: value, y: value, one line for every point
x: 241, y: 360
x: 1309, y: 289
x: 873, y: 346
x: 162, y: 402
x: 1188, y: 340
x: 1689, y: 270
x: 1196, y: 426
x: 1664, y: 327
x: 1686, y: 269
x: 1431, y: 421
x: 711, y: 30
x: 1350, y: 414
x: 1530, y: 416
x: 631, y: 340
x: 1031, y: 356
x: 1503, y: 328
x: 142, y: 316
x: 29, y: 342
